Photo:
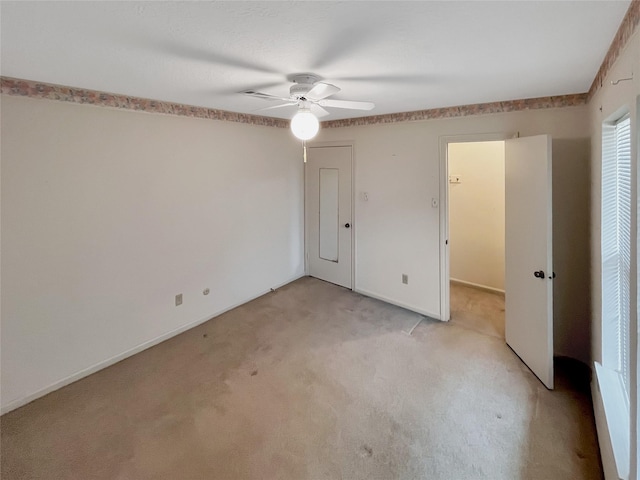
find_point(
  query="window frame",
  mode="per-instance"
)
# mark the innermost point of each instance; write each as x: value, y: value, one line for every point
x: 614, y: 375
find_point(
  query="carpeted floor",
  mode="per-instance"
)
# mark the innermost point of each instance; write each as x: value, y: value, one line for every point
x: 310, y: 382
x: 479, y: 310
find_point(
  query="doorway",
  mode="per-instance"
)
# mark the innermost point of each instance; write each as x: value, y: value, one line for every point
x: 328, y: 213
x: 528, y: 239
x: 476, y: 213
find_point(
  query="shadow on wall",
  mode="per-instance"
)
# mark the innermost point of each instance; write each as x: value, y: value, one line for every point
x: 571, y: 248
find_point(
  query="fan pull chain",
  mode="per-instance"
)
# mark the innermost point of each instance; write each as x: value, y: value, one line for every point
x: 304, y: 151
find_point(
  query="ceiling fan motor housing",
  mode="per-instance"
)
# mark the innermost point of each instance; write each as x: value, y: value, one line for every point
x: 302, y: 84
x: 299, y: 90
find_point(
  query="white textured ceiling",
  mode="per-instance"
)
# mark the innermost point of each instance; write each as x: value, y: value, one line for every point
x: 403, y: 56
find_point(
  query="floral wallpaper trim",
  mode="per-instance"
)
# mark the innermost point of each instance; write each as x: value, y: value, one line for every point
x: 465, y: 110
x: 627, y: 29
x: 28, y: 88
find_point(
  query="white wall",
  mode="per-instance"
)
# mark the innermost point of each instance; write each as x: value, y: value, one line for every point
x: 397, y: 230
x: 107, y: 214
x: 610, y: 98
x: 476, y: 213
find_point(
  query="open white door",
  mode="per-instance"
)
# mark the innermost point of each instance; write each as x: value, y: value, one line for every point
x: 528, y: 253
x: 328, y: 214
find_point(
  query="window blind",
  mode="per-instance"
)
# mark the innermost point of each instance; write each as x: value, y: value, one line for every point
x: 616, y: 247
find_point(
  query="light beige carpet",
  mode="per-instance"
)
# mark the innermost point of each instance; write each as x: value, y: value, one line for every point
x: 477, y: 309
x: 310, y: 382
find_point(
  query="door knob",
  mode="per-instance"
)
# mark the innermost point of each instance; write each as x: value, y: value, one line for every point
x: 539, y: 274
x: 346, y: 225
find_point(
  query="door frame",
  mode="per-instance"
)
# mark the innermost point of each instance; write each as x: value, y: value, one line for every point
x: 444, y: 141
x: 354, y: 221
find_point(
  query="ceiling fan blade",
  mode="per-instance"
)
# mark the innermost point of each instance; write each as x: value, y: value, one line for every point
x: 347, y: 43
x: 346, y: 104
x: 233, y: 90
x: 399, y: 79
x: 212, y: 57
x: 318, y: 111
x: 290, y: 104
x: 321, y: 90
x: 264, y: 96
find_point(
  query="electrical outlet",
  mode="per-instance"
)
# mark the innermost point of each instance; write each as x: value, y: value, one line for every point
x: 405, y: 279
x: 178, y: 299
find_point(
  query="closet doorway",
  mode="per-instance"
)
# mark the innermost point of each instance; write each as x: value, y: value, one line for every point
x: 476, y: 212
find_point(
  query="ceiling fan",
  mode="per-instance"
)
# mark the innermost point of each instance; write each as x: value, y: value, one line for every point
x: 310, y: 95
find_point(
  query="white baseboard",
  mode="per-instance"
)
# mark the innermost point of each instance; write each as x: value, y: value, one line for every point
x: 117, y: 358
x: 476, y: 285
x: 398, y: 304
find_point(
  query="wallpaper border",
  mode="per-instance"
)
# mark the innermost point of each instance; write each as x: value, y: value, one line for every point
x: 627, y: 28
x: 33, y: 89
x: 559, y: 101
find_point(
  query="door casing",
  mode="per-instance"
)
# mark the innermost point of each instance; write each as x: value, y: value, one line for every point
x: 445, y: 293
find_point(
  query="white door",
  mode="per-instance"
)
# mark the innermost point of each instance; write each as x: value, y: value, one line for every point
x: 528, y: 254
x: 328, y: 213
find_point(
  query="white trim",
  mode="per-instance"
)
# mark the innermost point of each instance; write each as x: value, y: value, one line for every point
x: 406, y: 306
x: 445, y: 293
x: 305, y: 260
x: 616, y: 411
x: 620, y: 435
x: 604, y: 439
x: 354, y: 223
x: 476, y: 285
x: 444, y: 141
x: 332, y: 143
x: 121, y: 356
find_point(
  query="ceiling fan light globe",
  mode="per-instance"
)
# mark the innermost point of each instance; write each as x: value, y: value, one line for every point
x: 305, y: 125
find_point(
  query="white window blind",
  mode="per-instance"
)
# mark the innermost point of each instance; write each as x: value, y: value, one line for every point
x: 616, y: 247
